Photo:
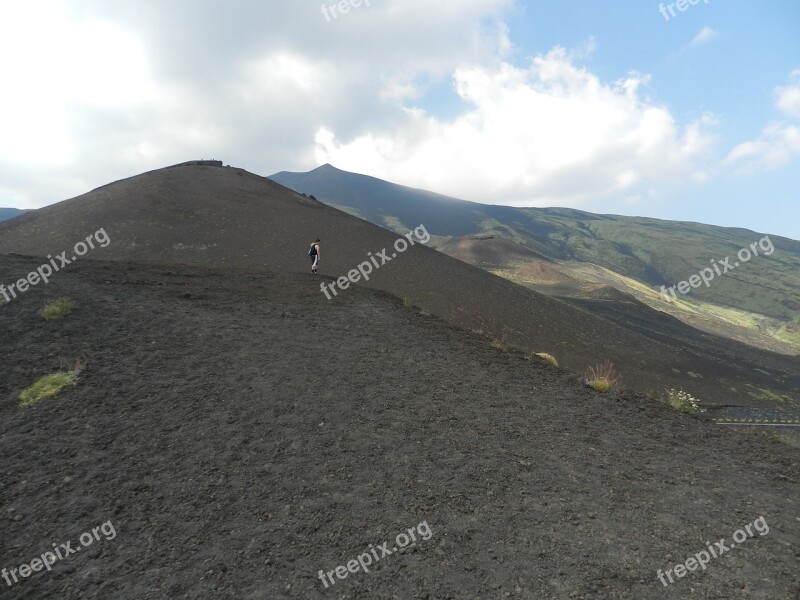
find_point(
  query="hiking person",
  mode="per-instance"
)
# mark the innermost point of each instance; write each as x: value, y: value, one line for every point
x: 313, y: 252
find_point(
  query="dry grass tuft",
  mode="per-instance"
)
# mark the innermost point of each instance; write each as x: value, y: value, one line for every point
x: 549, y: 358
x: 602, y: 378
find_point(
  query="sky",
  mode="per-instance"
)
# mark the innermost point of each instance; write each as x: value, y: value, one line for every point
x: 629, y: 107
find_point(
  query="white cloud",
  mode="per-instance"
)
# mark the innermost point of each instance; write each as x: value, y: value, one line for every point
x: 115, y: 88
x: 97, y: 90
x: 788, y: 101
x: 551, y: 132
x: 55, y: 65
x: 776, y: 146
x: 706, y: 34
x: 778, y: 143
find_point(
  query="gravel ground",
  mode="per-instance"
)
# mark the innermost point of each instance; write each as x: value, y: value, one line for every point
x: 240, y: 433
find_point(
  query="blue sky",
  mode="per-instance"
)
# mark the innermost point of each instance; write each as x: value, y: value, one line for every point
x: 754, y: 49
x: 603, y: 106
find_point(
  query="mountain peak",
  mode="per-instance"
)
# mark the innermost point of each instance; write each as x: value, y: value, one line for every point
x: 326, y: 167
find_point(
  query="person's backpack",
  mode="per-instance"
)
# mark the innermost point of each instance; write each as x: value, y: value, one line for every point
x: 313, y: 250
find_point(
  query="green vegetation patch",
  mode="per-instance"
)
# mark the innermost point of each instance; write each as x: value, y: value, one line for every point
x: 395, y: 224
x: 789, y: 332
x: 499, y: 346
x: 51, y: 385
x: 47, y: 387
x: 58, y: 308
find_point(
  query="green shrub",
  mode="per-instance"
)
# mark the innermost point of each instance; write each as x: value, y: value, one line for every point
x: 58, y: 308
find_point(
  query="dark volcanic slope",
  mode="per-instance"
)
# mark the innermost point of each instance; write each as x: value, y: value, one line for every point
x: 374, y: 199
x: 222, y: 217
x: 653, y: 251
x: 242, y: 433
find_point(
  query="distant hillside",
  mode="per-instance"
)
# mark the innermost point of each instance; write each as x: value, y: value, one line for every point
x: 764, y: 294
x: 489, y: 251
x: 226, y: 217
x: 10, y: 213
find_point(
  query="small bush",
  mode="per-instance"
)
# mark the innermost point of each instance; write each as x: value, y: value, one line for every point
x: 407, y: 303
x: 50, y: 385
x: 683, y: 402
x: 58, y: 308
x: 547, y: 358
x: 602, y: 378
x: 499, y: 346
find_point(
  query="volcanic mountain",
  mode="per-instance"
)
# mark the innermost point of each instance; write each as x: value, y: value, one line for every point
x: 757, y: 305
x: 204, y: 214
x: 232, y: 433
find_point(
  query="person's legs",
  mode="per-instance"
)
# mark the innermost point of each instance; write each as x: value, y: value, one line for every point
x: 315, y: 264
